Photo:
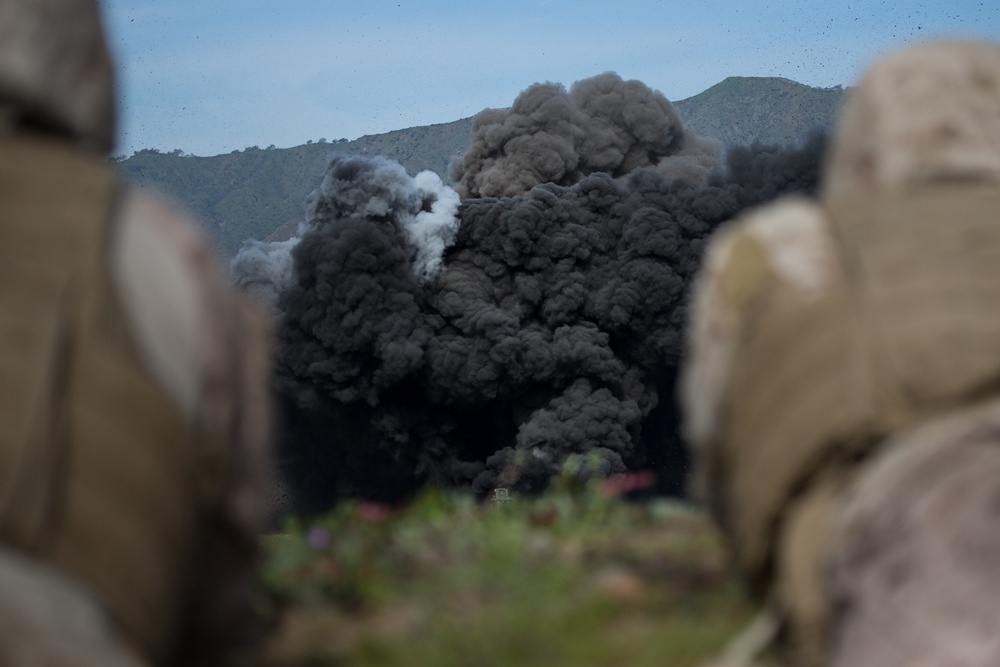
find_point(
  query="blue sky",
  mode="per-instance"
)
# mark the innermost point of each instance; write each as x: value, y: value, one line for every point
x: 212, y: 76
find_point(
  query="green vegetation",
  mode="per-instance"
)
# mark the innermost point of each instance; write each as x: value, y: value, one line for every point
x: 575, y: 577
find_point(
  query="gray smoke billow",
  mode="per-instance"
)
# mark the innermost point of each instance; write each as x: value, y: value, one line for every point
x: 547, y: 333
x: 602, y: 124
x: 264, y: 269
x: 422, y: 208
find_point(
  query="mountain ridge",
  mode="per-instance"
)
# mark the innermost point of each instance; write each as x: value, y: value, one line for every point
x: 260, y: 193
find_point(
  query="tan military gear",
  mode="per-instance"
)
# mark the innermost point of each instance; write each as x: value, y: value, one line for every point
x: 42, y: 265
x: 914, y: 572
x: 100, y: 469
x: 102, y: 472
x: 49, y: 619
x: 880, y: 345
x: 922, y: 115
x: 905, y: 331
x: 820, y: 330
x: 55, y: 71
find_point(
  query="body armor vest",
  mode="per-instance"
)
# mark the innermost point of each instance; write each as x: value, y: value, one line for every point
x: 97, y: 467
x: 909, y: 329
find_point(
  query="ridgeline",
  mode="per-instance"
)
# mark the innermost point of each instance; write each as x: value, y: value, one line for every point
x: 254, y: 192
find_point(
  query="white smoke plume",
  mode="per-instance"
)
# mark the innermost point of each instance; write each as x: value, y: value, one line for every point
x: 264, y: 269
x: 422, y: 207
x: 433, y: 229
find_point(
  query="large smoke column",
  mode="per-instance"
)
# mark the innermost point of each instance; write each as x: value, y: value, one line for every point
x: 566, y: 307
x: 551, y: 333
x: 351, y: 325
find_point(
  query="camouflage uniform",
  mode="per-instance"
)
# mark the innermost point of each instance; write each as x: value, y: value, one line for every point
x: 134, y: 383
x: 842, y: 386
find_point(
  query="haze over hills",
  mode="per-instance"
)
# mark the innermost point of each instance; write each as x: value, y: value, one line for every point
x: 251, y: 193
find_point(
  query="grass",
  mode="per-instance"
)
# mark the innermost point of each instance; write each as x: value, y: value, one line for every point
x: 576, y: 577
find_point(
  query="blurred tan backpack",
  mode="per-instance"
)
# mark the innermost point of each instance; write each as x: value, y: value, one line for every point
x: 830, y: 337
x: 101, y: 475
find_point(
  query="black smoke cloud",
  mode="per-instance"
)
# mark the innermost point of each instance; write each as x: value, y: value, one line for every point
x: 549, y: 335
x: 603, y: 124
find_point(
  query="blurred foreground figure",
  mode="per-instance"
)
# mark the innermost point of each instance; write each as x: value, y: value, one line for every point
x: 842, y: 388
x: 132, y: 383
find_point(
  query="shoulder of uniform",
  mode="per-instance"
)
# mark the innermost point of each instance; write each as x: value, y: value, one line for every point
x: 170, y: 284
x: 785, y: 242
x: 154, y: 216
x: 790, y: 239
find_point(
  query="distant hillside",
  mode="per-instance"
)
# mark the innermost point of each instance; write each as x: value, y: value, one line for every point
x: 250, y: 193
x: 744, y: 110
x: 247, y: 194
